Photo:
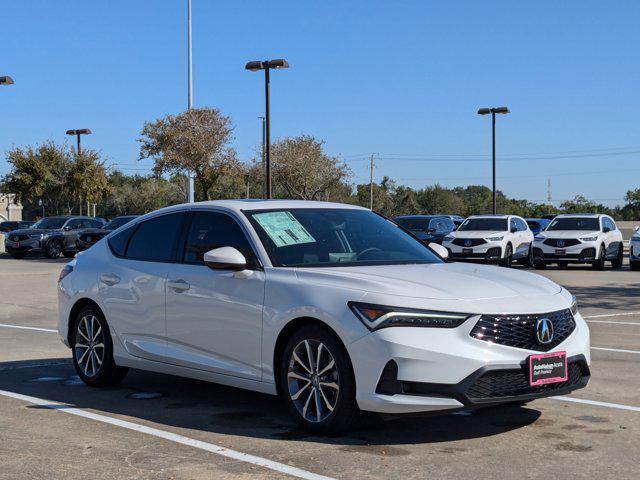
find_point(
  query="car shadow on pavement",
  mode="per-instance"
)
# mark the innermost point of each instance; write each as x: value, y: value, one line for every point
x: 37, y: 259
x: 614, y: 297
x: 182, y: 403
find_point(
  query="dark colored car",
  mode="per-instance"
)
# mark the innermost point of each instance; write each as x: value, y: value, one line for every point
x: 550, y: 216
x: 428, y: 228
x: 86, y: 238
x: 51, y: 235
x: 537, y: 224
x: 457, y: 219
x: 11, y: 226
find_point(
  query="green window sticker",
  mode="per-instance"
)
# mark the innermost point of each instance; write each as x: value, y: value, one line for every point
x: 283, y: 228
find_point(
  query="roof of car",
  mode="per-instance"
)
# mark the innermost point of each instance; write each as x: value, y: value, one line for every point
x: 590, y: 215
x: 422, y: 216
x: 489, y: 215
x: 259, y: 204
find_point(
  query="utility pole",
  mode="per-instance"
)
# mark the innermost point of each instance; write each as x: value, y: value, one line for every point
x: 371, y: 184
x: 191, y: 198
x: 264, y: 151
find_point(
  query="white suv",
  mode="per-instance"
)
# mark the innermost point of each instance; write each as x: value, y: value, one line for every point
x: 579, y: 238
x: 491, y: 238
x: 634, y: 250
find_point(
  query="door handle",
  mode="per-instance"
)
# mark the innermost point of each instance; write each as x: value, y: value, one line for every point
x: 109, y: 279
x: 178, y: 285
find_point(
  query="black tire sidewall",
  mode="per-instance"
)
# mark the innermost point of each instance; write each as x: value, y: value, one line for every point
x: 108, y: 373
x: 48, y: 251
x: 346, y: 408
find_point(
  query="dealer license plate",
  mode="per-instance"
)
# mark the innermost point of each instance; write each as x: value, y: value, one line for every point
x: 548, y: 368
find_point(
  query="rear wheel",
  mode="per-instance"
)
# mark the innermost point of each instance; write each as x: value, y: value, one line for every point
x: 508, y: 256
x: 617, y: 262
x: 53, y: 249
x: 598, y: 264
x: 316, y: 381
x: 93, y: 351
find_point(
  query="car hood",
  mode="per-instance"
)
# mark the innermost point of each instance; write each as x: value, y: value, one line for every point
x: 477, y: 234
x: 440, y: 281
x: 569, y: 233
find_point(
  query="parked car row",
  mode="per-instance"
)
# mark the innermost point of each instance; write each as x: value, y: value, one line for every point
x: 60, y: 235
x: 535, y: 242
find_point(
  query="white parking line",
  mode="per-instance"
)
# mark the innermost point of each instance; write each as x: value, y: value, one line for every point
x: 49, y: 330
x: 611, y: 322
x: 172, y: 437
x: 619, y: 314
x: 619, y: 350
x: 598, y: 404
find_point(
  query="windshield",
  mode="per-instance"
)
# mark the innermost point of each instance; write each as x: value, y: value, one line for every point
x: 52, y: 223
x: 484, y: 225
x: 325, y: 237
x: 575, y: 223
x: 413, y: 224
x: 117, y: 222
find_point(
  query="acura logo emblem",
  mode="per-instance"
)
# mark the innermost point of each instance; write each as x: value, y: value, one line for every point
x: 561, y: 243
x: 467, y: 243
x: 544, y: 331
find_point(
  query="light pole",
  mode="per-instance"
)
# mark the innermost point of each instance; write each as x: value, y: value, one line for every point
x: 6, y: 80
x: 191, y: 189
x: 77, y: 133
x: 263, y: 151
x: 493, y: 111
x: 267, y: 65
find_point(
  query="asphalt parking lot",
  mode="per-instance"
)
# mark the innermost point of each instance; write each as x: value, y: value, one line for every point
x: 161, y: 427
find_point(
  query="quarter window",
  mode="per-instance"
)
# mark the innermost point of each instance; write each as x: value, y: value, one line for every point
x: 156, y: 239
x: 118, y: 242
x: 211, y: 230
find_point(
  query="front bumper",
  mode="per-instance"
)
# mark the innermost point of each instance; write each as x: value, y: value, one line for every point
x: 440, y: 369
x: 31, y: 245
x: 584, y: 252
x: 489, y: 251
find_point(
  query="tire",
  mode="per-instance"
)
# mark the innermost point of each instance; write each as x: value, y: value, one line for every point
x: 330, y: 406
x: 92, y: 350
x: 563, y: 265
x: 540, y: 265
x: 508, y: 257
x: 529, y: 261
x: 17, y: 256
x: 617, y: 262
x: 53, y: 249
x: 634, y: 266
x: 69, y: 254
x: 599, y: 263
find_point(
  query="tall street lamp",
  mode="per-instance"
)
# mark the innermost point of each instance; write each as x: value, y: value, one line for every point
x: 77, y: 133
x: 493, y: 111
x: 267, y: 65
x: 6, y: 80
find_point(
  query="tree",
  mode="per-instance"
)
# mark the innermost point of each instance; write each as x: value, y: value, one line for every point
x: 87, y: 177
x: 197, y: 140
x: 301, y: 168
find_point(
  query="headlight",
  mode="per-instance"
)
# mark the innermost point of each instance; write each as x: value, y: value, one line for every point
x: 589, y: 239
x: 574, y: 305
x: 495, y: 239
x: 379, y: 316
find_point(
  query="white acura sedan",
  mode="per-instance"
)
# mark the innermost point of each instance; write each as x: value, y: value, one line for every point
x: 331, y: 306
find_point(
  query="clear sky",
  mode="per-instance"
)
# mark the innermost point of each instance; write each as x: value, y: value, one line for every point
x: 402, y: 79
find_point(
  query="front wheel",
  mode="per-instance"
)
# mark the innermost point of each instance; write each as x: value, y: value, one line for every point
x: 316, y: 381
x: 617, y: 262
x: 17, y: 256
x: 508, y: 256
x: 93, y: 350
x: 53, y: 249
x: 69, y: 254
x: 634, y: 266
x: 563, y: 265
x: 598, y: 264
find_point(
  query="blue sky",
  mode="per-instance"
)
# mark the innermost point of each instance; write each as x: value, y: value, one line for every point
x: 402, y: 79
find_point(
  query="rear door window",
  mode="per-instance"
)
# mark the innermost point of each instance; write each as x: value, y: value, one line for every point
x: 156, y: 239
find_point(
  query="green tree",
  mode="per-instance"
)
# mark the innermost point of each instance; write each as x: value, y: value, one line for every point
x: 198, y: 140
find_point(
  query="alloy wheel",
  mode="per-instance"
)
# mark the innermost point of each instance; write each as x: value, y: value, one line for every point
x: 313, y: 380
x: 89, y: 346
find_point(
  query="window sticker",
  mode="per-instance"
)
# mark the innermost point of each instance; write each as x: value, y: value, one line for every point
x: 283, y: 228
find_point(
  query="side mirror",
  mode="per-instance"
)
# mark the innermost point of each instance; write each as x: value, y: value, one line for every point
x: 513, y: 229
x: 225, y: 258
x: 606, y: 229
x: 431, y: 230
x: 66, y: 228
x: 440, y: 250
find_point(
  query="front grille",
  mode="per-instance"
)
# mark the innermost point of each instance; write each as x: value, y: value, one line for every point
x: 468, y: 242
x: 511, y: 383
x: 18, y: 238
x: 519, y: 331
x: 561, y: 242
